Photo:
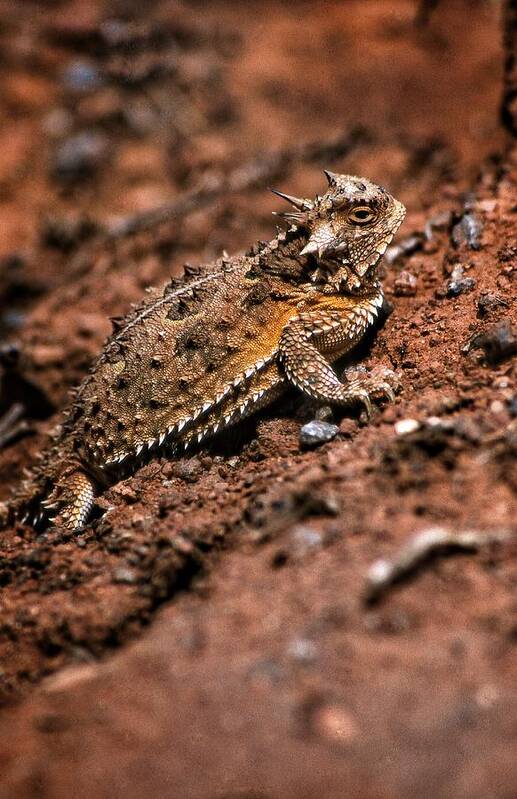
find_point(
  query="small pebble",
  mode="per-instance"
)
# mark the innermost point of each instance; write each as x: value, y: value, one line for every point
x: 315, y: 433
x: 436, y: 422
x: 473, y: 227
x: 468, y: 230
x: 126, y: 492
x: 79, y: 156
x: 81, y: 77
x: 305, y: 539
x: 115, y: 32
x: 66, y: 232
x: 406, y: 426
x: 124, y: 575
x: 457, y: 287
x: 405, y: 285
x: 499, y: 342
x: 335, y: 724
x: 189, y: 471
x: 182, y: 545
x: 464, y: 427
x: 57, y: 123
x: 488, y: 206
x: 13, y: 318
x: 405, y: 247
x: 302, y: 650
x: 265, y: 672
x: 458, y: 284
x: 438, y: 222
x: 489, y: 302
x: 44, y: 355
x: 324, y: 414
x: 487, y: 696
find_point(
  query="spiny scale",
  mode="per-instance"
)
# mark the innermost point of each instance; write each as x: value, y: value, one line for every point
x: 218, y: 344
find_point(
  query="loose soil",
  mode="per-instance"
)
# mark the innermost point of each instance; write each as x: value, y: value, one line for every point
x: 208, y: 636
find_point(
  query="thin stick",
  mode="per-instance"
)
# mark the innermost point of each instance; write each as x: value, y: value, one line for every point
x: 384, y: 573
x: 258, y: 172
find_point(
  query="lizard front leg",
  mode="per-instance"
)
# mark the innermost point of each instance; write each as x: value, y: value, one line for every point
x: 309, y: 336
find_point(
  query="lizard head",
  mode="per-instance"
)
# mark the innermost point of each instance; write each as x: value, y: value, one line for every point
x: 349, y: 228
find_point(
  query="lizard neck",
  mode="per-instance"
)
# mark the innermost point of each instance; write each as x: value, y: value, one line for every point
x: 281, y: 256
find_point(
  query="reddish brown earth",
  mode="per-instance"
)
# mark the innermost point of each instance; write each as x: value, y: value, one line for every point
x: 209, y: 637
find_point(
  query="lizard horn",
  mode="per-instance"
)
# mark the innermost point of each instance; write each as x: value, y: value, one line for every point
x: 301, y: 204
x: 290, y: 216
x: 331, y: 177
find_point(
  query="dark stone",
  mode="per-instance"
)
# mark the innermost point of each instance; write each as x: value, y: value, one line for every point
x: 499, y: 342
x: 462, y: 286
x: 489, y: 302
x: 189, y: 471
x: 468, y: 230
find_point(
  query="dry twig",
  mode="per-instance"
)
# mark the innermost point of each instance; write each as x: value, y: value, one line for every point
x: 257, y: 172
x: 384, y: 573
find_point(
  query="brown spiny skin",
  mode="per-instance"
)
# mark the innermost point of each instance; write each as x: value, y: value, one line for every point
x: 223, y: 341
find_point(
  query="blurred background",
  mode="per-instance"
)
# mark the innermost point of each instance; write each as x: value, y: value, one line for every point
x: 173, y: 119
x: 119, y: 106
x: 204, y: 620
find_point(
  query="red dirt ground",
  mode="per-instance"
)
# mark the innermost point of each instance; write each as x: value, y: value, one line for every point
x: 209, y: 637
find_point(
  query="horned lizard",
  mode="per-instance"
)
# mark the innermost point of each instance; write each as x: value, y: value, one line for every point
x: 224, y: 340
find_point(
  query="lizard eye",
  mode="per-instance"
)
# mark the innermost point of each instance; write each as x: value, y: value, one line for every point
x: 361, y: 215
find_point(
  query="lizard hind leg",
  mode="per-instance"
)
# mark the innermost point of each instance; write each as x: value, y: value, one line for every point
x: 73, y: 498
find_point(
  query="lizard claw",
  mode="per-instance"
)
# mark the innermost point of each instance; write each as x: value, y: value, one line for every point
x: 364, y: 397
x: 388, y: 391
x: 377, y: 384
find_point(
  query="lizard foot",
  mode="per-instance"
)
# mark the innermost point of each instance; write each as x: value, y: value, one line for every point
x: 379, y: 383
x: 72, y: 498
